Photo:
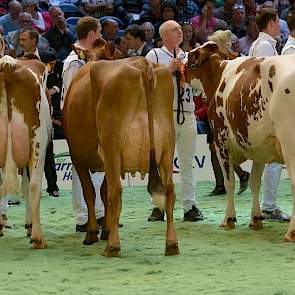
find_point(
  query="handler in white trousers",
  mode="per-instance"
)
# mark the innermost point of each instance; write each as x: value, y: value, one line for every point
x: 88, y: 30
x: 265, y: 45
x: 184, y: 119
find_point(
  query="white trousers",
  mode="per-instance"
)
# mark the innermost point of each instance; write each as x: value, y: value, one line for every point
x: 272, y: 175
x: 3, y: 205
x: 79, y: 204
x: 186, y: 140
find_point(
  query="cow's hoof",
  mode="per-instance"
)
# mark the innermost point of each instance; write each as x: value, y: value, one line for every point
x: 229, y: 223
x: 256, y: 223
x: 104, y: 235
x: 172, y: 249
x: 90, y: 238
x: 290, y: 236
x: 38, y: 244
x: 112, y: 251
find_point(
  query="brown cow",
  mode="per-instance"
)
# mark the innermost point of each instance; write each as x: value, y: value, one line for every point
x: 110, y: 110
x: 251, y: 112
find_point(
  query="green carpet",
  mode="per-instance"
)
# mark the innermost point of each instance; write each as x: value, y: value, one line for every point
x: 212, y: 260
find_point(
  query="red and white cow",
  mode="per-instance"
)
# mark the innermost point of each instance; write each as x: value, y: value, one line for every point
x: 251, y: 112
x: 25, y: 130
x: 118, y: 118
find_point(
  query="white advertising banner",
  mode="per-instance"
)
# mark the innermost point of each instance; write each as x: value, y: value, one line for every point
x: 201, y: 162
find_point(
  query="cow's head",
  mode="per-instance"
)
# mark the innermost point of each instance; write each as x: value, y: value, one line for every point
x: 99, y: 50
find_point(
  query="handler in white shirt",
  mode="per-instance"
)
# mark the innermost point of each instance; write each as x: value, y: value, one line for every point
x: 265, y: 45
x: 172, y: 56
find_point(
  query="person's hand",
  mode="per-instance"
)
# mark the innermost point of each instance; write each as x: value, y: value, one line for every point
x: 51, y: 91
x: 175, y: 64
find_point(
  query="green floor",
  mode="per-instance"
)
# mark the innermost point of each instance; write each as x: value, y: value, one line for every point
x: 212, y: 260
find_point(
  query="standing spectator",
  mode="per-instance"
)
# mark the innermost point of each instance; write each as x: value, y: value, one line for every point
x: 60, y: 37
x: 149, y: 33
x: 135, y: 37
x: 238, y: 21
x: 265, y: 45
x: 252, y: 34
x: 88, y: 30
x: 186, y: 9
x: 41, y: 20
x: 97, y: 8
x: 9, y: 22
x: 110, y: 29
x: 184, y: 119
x: 206, y: 23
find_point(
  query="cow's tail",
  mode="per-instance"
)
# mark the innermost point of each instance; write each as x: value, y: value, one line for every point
x: 155, y: 185
x: 10, y: 184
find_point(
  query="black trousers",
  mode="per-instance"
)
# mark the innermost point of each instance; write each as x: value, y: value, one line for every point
x: 49, y: 169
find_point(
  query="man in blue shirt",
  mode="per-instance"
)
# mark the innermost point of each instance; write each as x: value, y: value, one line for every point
x: 9, y: 21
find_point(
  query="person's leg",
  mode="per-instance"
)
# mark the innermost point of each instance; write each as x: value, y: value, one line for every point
x: 244, y: 178
x: 97, y: 179
x: 50, y: 172
x: 219, y: 182
x: 186, y: 146
x: 270, y: 209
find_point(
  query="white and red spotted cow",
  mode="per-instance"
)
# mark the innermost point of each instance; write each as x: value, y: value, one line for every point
x: 25, y: 129
x: 251, y: 112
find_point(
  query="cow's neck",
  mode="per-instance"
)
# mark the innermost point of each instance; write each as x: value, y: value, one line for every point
x: 211, y: 78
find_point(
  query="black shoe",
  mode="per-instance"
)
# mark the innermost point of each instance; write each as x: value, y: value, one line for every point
x: 193, y: 215
x: 81, y: 228
x: 54, y: 194
x: 13, y: 202
x: 244, y: 182
x: 99, y: 222
x: 219, y: 190
x: 157, y: 215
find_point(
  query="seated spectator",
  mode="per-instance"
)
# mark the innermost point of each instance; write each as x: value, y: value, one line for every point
x: 286, y: 11
x: 251, y: 36
x: 41, y: 20
x: 25, y: 22
x: 125, y: 10
x: 122, y: 44
x: 3, y: 7
x: 235, y: 45
x: 189, y: 38
x: 149, y: 33
x: 60, y: 37
x: 110, y: 29
x: 186, y: 9
x: 152, y: 13
x: 224, y: 12
x: 238, y: 21
x: 9, y: 22
x: 135, y: 37
x: 206, y: 23
x: 168, y: 12
x: 97, y: 8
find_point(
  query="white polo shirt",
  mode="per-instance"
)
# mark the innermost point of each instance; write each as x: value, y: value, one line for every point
x: 264, y: 45
x: 163, y: 56
x: 289, y: 47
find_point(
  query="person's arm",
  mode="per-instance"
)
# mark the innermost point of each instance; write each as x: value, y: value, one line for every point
x: 90, y: 7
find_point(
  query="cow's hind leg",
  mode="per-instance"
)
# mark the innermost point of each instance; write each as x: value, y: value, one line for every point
x: 114, y: 203
x: 26, y: 195
x: 106, y: 221
x: 36, y: 170
x: 255, y: 182
x: 89, y: 195
x: 166, y: 169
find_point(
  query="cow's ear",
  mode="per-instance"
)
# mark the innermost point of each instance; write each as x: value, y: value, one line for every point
x: 110, y: 50
x: 212, y: 46
x: 98, y: 43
